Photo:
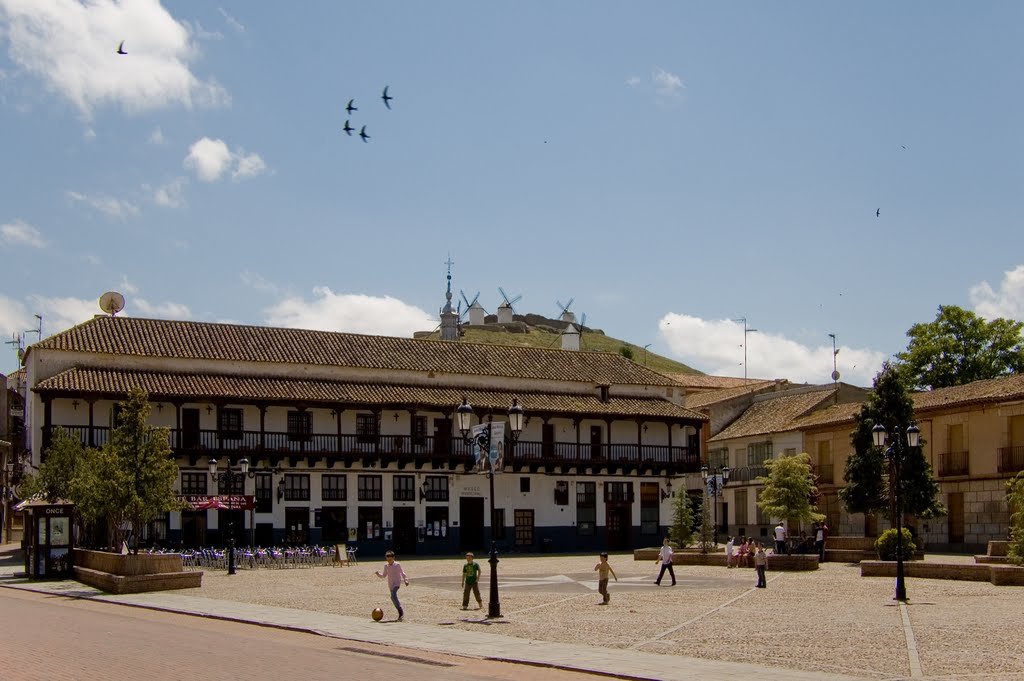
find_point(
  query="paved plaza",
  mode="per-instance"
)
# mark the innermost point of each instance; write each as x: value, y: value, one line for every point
x: 829, y: 623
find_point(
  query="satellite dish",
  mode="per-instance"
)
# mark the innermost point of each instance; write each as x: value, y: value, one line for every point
x: 111, y: 302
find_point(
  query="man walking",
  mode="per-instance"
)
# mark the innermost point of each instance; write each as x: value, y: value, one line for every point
x: 665, y: 557
x: 780, y: 539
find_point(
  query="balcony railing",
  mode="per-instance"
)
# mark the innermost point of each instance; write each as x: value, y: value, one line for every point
x: 824, y: 473
x: 747, y: 473
x: 256, y: 443
x: 953, y: 463
x: 1011, y: 459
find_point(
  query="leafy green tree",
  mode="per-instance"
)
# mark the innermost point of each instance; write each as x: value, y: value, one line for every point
x: 130, y: 480
x: 626, y: 352
x: 959, y: 347
x: 55, y: 478
x: 706, y: 533
x: 866, y: 492
x: 1015, y: 497
x: 681, y: 532
x: 789, y: 489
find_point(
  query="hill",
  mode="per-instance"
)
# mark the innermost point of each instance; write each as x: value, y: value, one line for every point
x: 535, y: 331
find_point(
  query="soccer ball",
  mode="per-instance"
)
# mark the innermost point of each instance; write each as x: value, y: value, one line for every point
x: 377, y: 614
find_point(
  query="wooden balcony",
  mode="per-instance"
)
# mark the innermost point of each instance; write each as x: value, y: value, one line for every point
x: 277, y: 448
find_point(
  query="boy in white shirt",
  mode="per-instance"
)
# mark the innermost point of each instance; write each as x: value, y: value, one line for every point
x: 665, y: 557
x: 730, y: 547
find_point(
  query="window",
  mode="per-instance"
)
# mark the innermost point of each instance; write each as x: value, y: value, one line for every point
x: 296, y: 487
x: 437, y: 522
x: 369, y: 488
x: 264, y: 493
x: 758, y: 453
x: 524, y: 485
x: 718, y: 458
x: 300, y: 425
x: 404, y: 488
x: 370, y: 520
x: 229, y: 423
x: 333, y: 488
x: 231, y: 484
x: 499, y: 523
x: 194, y: 483
x: 366, y: 427
x: 650, y: 502
x: 524, y: 526
x: 419, y: 430
x: 586, y: 507
x: 436, y: 488
x: 618, y: 491
x: 561, y: 493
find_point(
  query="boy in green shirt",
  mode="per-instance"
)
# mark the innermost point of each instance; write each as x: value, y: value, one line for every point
x: 470, y: 577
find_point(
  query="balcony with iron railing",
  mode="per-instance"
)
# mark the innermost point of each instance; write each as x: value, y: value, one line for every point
x: 953, y: 463
x: 1011, y: 459
x: 196, y: 443
x: 824, y: 473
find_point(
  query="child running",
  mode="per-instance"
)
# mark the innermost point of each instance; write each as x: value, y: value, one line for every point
x: 395, y: 575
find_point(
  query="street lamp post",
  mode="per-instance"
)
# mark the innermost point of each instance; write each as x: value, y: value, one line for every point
x: 894, y: 453
x: 714, y: 483
x: 227, y: 479
x: 464, y: 412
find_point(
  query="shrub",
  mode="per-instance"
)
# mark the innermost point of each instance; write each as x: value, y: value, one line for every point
x: 885, y: 545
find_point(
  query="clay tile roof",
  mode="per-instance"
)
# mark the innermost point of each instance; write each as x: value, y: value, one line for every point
x: 833, y: 414
x: 202, y: 340
x: 774, y: 414
x: 702, y: 382
x: 708, y: 398
x: 167, y: 386
x: 992, y: 390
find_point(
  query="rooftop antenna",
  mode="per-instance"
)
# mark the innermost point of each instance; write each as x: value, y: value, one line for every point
x: 746, y: 330
x: 39, y: 330
x: 835, y: 369
x: 112, y: 302
x: 18, y: 341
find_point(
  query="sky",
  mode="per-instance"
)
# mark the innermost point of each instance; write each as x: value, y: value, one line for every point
x: 673, y: 167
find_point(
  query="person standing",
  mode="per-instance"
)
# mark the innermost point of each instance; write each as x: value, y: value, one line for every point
x: 819, y: 540
x: 603, y: 570
x: 471, y: 582
x: 395, y: 575
x: 780, y: 539
x: 730, y: 547
x: 760, y: 563
x: 665, y: 557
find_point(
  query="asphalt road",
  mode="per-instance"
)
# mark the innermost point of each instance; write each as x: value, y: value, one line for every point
x: 56, y: 639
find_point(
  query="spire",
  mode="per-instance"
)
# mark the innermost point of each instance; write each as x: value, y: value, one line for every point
x: 449, y: 318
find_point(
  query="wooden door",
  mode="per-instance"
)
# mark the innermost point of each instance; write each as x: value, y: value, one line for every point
x: 471, y: 523
x: 617, y: 525
x: 403, y: 538
x: 442, y: 437
x: 955, y: 519
x: 189, y: 428
x: 596, y: 450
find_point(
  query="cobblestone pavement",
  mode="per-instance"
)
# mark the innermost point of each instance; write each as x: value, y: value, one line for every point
x: 814, y: 624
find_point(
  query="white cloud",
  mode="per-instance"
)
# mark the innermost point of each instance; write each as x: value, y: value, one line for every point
x: 89, y: 134
x: 633, y: 81
x: 231, y: 21
x: 258, y: 282
x: 1008, y: 302
x: 91, y: 259
x: 170, y: 195
x: 716, y: 347
x: 249, y: 165
x: 72, y: 46
x: 126, y: 286
x: 329, y: 311
x: 108, y: 205
x: 210, y: 159
x: 20, y: 233
x: 166, y: 310
x: 62, y: 313
x: 14, y: 318
x: 667, y: 84
x: 157, y: 136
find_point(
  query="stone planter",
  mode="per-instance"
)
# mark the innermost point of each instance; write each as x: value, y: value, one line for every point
x: 116, y: 573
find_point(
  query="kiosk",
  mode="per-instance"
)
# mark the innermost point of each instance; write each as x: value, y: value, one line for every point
x: 49, y: 544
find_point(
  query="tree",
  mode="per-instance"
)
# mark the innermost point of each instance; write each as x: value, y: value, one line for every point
x: 55, y: 478
x: 681, y: 531
x: 1015, y: 497
x: 959, y: 347
x: 130, y: 480
x: 789, y: 489
x: 866, y: 492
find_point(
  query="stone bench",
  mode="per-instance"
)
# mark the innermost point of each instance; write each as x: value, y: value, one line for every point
x: 1001, y: 575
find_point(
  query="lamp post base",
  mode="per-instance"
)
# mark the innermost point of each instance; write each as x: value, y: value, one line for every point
x: 493, y: 604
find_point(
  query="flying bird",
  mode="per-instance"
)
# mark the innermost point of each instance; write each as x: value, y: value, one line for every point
x: 120, y: 48
x: 878, y: 212
x: 348, y: 128
x: 387, y: 98
x: 351, y: 106
x: 362, y: 133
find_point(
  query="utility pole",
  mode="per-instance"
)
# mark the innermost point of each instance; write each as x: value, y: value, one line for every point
x: 835, y: 369
x: 745, y: 332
